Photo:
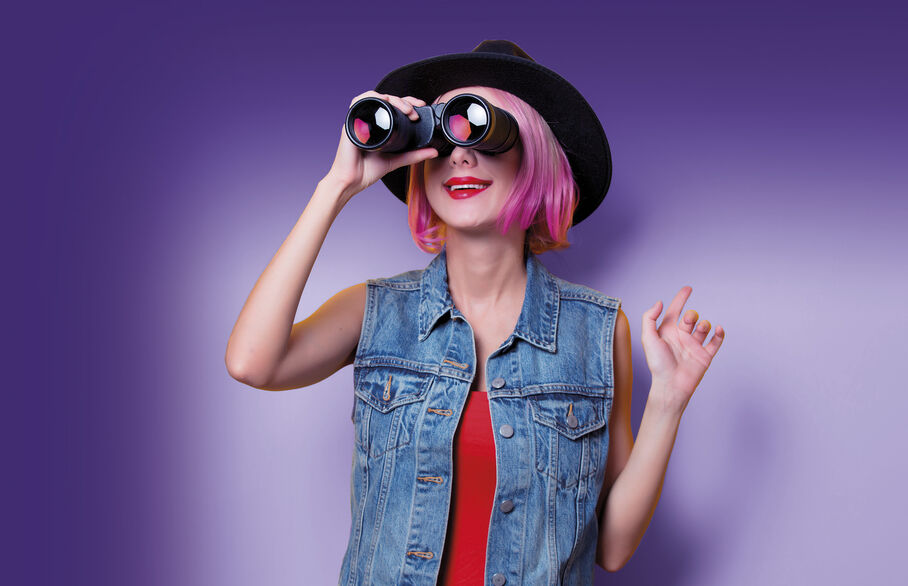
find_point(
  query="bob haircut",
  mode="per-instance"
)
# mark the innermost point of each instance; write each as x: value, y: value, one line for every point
x: 543, y: 196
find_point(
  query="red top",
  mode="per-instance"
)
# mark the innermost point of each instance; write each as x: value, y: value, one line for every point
x: 464, y: 557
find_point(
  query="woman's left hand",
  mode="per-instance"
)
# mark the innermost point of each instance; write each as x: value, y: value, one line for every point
x: 675, y: 352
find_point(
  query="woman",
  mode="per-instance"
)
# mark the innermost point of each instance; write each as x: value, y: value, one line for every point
x: 487, y: 446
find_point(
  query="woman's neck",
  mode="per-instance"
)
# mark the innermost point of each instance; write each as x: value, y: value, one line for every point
x: 485, y: 275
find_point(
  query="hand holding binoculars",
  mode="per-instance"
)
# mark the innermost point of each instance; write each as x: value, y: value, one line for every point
x: 466, y: 120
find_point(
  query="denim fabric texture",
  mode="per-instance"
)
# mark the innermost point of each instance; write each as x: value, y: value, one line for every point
x: 550, y: 389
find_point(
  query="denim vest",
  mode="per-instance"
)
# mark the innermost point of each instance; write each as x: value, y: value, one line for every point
x: 550, y: 389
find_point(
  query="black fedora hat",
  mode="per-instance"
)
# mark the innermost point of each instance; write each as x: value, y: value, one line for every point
x: 504, y: 65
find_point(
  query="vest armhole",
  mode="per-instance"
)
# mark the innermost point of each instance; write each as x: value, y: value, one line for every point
x: 365, y: 333
x: 608, y: 344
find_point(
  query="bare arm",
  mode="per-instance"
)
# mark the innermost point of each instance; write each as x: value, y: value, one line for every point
x: 677, y: 360
x: 634, y: 478
x: 266, y: 349
x: 633, y: 497
x: 621, y: 436
x: 261, y: 338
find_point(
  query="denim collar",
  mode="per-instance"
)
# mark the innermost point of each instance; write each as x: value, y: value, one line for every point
x: 538, y: 321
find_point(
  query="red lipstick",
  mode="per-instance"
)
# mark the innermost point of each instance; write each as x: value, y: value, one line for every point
x: 466, y: 186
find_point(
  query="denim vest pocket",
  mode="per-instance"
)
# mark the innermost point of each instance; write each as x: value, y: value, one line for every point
x: 569, y: 430
x: 388, y: 399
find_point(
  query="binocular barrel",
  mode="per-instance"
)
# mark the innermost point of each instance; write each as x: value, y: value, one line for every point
x: 466, y: 120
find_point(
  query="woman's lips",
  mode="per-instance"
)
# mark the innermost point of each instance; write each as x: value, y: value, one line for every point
x: 464, y: 193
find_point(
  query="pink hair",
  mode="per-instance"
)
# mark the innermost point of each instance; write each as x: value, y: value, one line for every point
x: 542, y: 199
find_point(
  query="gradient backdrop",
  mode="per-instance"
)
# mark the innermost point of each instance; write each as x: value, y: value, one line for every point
x: 157, y: 154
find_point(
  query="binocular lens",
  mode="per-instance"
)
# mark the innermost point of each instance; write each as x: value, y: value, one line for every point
x: 370, y: 122
x: 466, y: 119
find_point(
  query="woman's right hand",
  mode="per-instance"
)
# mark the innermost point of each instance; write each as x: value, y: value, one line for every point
x: 355, y: 169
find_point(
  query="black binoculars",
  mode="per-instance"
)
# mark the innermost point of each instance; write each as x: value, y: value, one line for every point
x: 466, y: 120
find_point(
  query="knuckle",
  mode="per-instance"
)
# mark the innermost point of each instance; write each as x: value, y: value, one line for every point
x: 361, y: 96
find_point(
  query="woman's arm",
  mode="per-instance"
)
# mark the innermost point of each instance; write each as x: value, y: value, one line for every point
x: 621, y: 436
x: 678, y: 360
x: 266, y: 350
x: 633, y: 496
x: 261, y: 337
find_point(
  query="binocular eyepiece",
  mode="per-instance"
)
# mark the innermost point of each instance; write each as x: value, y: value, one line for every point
x: 466, y: 120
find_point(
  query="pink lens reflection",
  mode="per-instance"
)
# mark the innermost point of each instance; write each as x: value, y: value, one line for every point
x: 459, y: 127
x: 361, y: 130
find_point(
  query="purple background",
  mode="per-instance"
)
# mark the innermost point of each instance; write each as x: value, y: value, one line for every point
x: 156, y: 155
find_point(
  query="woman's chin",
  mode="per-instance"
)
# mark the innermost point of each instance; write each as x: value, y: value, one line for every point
x: 469, y: 225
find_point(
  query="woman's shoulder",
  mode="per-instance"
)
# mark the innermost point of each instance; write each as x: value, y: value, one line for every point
x: 406, y: 280
x: 580, y: 292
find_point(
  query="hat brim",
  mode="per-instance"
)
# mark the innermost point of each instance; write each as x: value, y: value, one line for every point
x: 572, y: 120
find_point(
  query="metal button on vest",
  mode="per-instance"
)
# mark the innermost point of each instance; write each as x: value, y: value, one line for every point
x: 499, y: 579
x: 506, y: 430
x: 572, y: 421
x: 506, y: 506
x: 497, y: 382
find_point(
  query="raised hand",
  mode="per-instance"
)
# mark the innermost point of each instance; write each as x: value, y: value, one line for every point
x: 354, y: 169
x: 675, y: 352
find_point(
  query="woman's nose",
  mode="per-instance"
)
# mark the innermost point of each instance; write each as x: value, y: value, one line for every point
x: 463, y: 155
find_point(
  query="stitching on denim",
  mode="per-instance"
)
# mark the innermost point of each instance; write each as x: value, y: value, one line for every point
x: 445, y: 412
x: 387, y: 396
x: 457, y: 364
x: 365, y: 334
x: 422, y: 554
x: 530, y: 390
x: 611, y: 320
x: 581, y: 292
x: 435, y: 479
x: 573, y: 434
x: 405, y: 285
x: 415, y: 367
x: 576, y: 296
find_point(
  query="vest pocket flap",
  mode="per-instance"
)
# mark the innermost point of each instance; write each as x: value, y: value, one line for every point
x: 387, y: 387
x: 570, y: 415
